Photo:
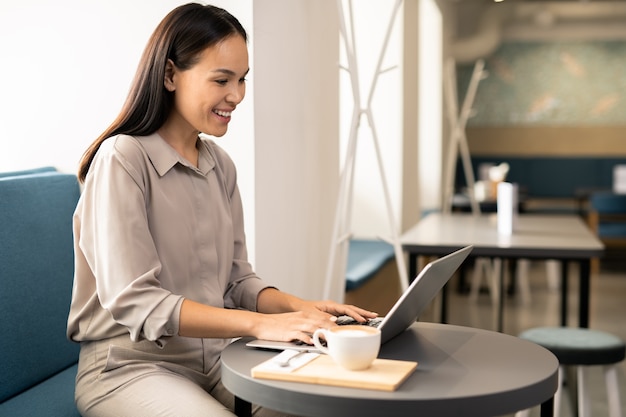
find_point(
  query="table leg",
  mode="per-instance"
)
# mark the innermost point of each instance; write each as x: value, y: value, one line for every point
x: 444, y: 304
x: 242, y: 408
x: 547, y: 408
x: 564, y: 291
x: 584, y: 293
x: 502, y: 266
x: 412, y: 265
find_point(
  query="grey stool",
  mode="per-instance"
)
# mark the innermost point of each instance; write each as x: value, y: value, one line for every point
x: 582, y: 348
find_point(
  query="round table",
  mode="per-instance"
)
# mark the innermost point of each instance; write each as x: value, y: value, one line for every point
x: 461, y: 371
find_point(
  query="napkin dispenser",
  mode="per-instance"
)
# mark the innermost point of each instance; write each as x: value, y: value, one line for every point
x: 507, y: 207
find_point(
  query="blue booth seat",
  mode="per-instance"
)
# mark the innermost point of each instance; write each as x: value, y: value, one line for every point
x: 371, y: 275
x: 365, y: 259
x: 37, y: 362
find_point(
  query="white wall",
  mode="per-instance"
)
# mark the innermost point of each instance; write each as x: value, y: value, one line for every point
x: 66, y: 67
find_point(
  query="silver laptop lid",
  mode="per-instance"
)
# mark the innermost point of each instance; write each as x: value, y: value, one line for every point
x: 420, y: 293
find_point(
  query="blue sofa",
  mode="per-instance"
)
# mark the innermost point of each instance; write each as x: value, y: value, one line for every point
x: 37, y: 362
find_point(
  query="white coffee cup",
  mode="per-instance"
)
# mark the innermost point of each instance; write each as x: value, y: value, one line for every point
x: 353, y: 347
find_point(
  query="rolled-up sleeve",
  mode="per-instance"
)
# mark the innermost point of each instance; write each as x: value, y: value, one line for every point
x: 119, y: 252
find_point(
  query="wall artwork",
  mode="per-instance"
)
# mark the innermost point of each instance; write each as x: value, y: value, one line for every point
x: 551, y: 84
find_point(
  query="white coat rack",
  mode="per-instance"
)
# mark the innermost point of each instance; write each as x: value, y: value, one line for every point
x: 458, y: 138
x: 337, y: 262
x: 458, y: 141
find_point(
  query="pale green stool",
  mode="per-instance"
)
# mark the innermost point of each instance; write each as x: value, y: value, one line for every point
x: 582, y: 348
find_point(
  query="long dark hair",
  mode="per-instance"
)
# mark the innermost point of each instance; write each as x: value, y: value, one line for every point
x: 181, y: 36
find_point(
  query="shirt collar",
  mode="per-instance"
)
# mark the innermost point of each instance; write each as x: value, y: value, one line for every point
x: 164, y: 157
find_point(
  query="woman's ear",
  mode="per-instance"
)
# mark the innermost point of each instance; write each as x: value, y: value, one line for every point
x: 168, y: 82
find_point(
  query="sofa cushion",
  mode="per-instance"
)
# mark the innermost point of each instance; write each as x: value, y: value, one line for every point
x: 53, y: 397
x: 36, y: 274
x: 365, y: 259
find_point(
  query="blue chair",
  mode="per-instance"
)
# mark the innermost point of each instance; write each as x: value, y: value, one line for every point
x: 607, y: 218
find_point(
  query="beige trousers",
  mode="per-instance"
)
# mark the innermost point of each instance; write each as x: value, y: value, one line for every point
x: 118, y: 378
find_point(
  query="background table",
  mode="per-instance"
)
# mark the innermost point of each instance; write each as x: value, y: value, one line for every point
x: 561, y: 237
x: 461, y: 371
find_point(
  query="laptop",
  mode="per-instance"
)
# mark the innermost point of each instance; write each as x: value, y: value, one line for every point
x: 405, y: 311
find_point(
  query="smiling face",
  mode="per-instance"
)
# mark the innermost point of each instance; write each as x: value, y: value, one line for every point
x: 206, y: 94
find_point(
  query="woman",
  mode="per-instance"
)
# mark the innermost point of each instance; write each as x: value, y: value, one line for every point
x: 162, y: 281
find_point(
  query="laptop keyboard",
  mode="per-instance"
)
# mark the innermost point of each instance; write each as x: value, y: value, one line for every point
x: 345, y: 320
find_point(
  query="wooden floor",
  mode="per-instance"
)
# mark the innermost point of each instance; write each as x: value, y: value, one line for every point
x: 607, y: 312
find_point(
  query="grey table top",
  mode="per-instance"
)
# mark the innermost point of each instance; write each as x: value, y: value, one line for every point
x: 461, y: 371
x: 535, y: 236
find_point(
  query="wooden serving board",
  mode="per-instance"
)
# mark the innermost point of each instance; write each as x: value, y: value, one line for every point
x: 383, y: 374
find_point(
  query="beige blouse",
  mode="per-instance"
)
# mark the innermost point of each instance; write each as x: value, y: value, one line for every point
x: 151, y: 229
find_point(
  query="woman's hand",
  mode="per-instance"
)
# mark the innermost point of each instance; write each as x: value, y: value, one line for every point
x: 293, y: 318
x: 287, y: 327
x: 337, y: 309
x: 271, y: 300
